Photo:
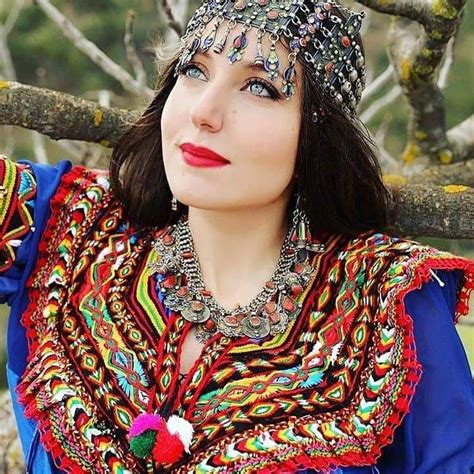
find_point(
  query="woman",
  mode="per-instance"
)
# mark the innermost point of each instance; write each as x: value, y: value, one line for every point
x: 224, y: 300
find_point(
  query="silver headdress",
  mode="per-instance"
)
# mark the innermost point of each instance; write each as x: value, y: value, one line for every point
x: 314, y: 33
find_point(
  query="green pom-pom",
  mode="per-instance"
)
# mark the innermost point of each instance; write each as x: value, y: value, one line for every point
x: 142, y: 445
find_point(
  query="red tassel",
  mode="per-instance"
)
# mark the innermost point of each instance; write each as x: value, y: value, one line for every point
x: 168, y: 448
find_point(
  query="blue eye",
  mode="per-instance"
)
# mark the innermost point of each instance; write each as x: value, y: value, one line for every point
x: 189, y: 67
x: 262, y: 85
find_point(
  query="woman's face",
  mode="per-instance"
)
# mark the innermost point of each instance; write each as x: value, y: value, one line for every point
x: 222, y: 107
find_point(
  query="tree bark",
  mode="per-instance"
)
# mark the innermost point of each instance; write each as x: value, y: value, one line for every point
x: 418, y: 37
x: 457, y: 173
x: 436, y: 211
x: 62, y: 116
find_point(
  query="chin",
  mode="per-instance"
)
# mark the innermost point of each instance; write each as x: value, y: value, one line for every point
x: 206, y: 205
x: 198, y: 200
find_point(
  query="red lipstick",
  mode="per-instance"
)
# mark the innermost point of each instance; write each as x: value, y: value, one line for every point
x: 201, y: 157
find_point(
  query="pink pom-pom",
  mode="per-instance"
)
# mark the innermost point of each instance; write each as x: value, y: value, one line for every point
x: 144, y: 422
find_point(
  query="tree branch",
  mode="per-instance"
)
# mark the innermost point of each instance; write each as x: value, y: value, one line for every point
x: 461, y: 138
x: 13, y: 16
x: 458, y: 173
x: 380, y: 103
x: 92, y: 51
x: 377, y: 84
x: 61, y: 116
x: 416, y: 10
x: 5, y: 56
x: 441, y: 175
x: 132, y: 55
x: 173, y: 23
x: 416, y: 51
x: 7, y: 69
x: 437, y: 211
x: 447, y: 63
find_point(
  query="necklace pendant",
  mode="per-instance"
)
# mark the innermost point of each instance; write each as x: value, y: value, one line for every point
x: 271, y: 311
x: 279, y: 322
x: 276, y: 317
x: 289, y: 305
x: 202, y: 335
x: 196, y: 312
x: 231, y: 321
x: 178, y: 299
x: 156, y: 267
x: 255, y: 326
x: 175, y: 303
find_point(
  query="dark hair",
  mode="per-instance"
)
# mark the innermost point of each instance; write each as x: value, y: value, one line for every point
x: 338, y: 175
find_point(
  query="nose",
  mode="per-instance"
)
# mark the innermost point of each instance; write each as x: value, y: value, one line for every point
x: 208, y: 107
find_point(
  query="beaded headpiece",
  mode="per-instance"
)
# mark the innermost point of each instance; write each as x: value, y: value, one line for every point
x: 314, y: 33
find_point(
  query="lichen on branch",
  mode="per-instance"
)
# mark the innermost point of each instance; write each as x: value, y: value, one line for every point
x: 61, y: 116
x: 417, y: 40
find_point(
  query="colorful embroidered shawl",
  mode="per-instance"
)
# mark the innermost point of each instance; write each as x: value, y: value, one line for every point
x: 330, y: 391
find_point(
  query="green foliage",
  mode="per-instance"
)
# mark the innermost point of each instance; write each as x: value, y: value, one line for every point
x: 44, y: 57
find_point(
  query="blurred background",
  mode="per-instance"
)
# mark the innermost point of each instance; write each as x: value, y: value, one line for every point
x: 34, y: 51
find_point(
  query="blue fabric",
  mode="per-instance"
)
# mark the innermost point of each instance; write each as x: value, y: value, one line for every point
x: 12, y: 292
x: 436, y: 437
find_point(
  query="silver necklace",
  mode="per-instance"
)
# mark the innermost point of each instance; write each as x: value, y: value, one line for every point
x: 270, y: 312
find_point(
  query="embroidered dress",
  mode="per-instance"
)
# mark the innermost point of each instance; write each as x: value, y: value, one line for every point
x: 370, y: 377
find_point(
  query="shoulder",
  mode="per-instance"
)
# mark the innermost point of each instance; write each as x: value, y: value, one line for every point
x: 390, y: 267
x: 376, y: 245
x: 379, y: 244
x: 82, y: 181
x: 398, y: 266
x: 81, y: 198
x: 403, y: 254
x: 17, y: 202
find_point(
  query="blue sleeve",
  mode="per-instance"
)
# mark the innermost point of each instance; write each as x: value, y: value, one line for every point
x: 13, y: 280
x: 27, y: 190
x: 437, y: 435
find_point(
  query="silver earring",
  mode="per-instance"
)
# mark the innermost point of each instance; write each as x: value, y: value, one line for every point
x: 301, y: 236
x: 174, y: 204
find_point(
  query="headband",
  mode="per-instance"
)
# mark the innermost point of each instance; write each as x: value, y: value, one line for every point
x: 314, y: 32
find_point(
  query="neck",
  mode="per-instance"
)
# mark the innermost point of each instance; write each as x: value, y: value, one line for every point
x: 238, y: 250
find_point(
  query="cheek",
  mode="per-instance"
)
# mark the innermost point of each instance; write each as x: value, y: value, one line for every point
x: 274, y: 144
x: 266, y: 168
